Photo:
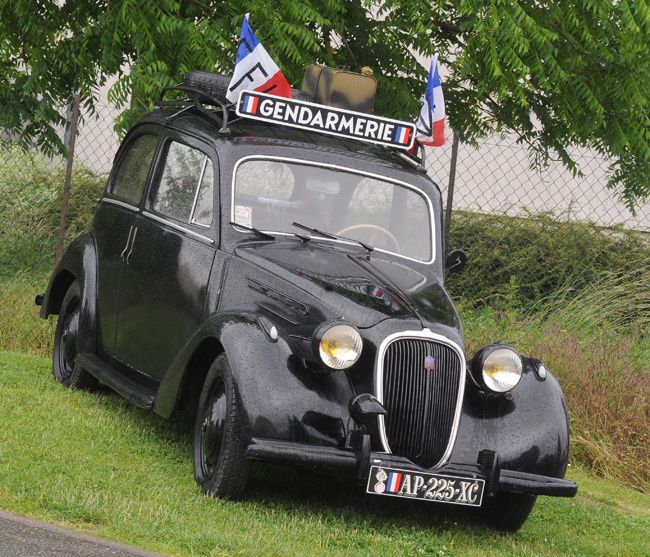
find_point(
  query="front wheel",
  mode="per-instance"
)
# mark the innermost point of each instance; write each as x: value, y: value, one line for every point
x: 66, y: 335
x: 220, y: 465
x: 507, y: 511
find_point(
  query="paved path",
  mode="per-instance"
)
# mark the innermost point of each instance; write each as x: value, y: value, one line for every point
x: 24, y: 537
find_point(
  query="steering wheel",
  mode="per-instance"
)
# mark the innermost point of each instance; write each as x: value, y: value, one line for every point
x: 377, y: 230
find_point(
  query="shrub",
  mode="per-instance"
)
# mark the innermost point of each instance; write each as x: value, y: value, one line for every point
x: 31, y: 188
x: 516, y: 262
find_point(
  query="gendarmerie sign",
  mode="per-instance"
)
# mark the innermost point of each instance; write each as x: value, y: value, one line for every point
x: 326, y: 119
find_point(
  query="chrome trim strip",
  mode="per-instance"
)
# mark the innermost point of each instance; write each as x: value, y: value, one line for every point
x: 120, y: 203
x: 379, y: 384
x: 347, y: 169
x: 128, y: 241
x: 196, y: 235
x: 196, y: 195
x: 128, y: 255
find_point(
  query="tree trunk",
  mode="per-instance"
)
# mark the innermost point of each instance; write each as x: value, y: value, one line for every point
x: 68, y: 175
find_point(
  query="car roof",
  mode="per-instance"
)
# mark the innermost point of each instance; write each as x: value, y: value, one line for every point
x: 253, y: 132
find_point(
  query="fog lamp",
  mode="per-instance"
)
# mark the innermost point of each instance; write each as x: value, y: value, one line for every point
x: 339, y: 346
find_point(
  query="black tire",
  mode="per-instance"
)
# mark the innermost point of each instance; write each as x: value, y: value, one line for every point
x: 220, y: 466
x: 507, y: 512
x: 214, y: 84
x: 66, y: 334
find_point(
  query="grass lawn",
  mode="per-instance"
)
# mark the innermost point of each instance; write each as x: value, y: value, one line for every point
x: 93, y: 462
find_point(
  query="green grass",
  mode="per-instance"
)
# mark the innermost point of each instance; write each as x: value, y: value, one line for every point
x: 93, y: 462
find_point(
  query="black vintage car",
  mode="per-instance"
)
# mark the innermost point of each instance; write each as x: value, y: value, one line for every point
x: 289, y: 286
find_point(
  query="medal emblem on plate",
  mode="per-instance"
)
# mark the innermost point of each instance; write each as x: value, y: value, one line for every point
x: 381, y: 477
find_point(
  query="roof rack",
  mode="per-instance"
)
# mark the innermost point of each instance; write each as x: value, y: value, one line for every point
x: 196, y: 102
x: 206, y: 88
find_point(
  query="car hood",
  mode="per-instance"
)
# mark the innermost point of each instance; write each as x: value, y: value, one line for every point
x: 361, y: 289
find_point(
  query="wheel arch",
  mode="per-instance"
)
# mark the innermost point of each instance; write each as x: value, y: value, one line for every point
x: 196, y: 370
x: 280, y: 399
x: 187, y: 372
x: 529, y: 428
x: 60, y: 284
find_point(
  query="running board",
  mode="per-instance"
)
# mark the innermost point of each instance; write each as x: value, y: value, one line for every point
x: 138, y: 389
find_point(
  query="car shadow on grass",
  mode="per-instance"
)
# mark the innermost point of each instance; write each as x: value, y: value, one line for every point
x: 295, y: 489
x: 320, y: 494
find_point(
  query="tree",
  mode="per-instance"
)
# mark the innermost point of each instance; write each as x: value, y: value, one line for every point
x: 556, y: 73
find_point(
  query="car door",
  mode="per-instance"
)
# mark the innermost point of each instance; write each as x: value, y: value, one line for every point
x: 114, y: 224
x: 166, y: 277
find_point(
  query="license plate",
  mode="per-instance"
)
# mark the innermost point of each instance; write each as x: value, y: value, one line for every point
x: 428, y: 487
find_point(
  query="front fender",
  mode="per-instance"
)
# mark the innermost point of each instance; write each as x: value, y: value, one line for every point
x: 530, y: 431
x: 279, y: 398
x: 78, y: 262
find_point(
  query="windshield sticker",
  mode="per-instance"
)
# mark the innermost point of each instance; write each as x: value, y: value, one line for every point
x: 326, y: 119
x: 244, y: 215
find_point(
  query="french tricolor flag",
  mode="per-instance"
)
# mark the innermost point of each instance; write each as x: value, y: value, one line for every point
x: 255, y: 69
x: 394, y: 479
x: 431, y: 123
x: 402, y: 135
x: 249, y: 104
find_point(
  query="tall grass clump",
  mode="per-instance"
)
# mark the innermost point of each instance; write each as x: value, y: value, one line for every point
x: 597, y: 343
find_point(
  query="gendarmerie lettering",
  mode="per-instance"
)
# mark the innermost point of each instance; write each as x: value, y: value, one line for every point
x: 325, y: 119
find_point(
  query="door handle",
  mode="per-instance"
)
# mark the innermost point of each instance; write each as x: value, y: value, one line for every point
x: 128, y: 255
x: 128, y: 241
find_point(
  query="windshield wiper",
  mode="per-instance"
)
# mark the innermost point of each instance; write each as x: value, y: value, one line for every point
x: 255, y: 230
x: 332, y: 236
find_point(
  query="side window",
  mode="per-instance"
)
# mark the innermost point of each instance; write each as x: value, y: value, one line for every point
x: 186, y: 186
x: 134, y: 168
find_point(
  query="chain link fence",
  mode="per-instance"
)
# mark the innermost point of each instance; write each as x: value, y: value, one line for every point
x: 497, y: 178
x: 494, y: 179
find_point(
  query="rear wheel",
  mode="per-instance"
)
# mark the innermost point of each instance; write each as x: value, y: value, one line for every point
x: 66, y: 335
x: 220, y: 466
x: 508, y: 511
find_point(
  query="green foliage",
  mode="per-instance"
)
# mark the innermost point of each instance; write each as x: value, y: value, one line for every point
x: 556, y: 74
x: 516, y: 262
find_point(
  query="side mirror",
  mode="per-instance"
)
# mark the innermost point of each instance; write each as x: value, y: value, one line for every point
x: 456, y: 261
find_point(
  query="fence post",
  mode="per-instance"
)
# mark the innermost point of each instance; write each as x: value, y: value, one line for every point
x: 68, y: 175
x: 450, y: 190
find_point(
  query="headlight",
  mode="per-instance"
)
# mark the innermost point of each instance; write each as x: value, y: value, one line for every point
x: 339, y: 346
x: 500, y: 368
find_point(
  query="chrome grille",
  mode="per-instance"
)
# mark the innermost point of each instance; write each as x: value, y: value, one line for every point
x: 422, y: 404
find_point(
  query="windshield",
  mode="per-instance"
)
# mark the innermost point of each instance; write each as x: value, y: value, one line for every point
x: 271, y: 194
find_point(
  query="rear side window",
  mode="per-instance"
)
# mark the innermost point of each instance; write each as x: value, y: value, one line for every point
x: 132, y: 174
x: 186, y: 186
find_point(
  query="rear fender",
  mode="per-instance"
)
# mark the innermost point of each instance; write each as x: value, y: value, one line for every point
x: 78, y: 262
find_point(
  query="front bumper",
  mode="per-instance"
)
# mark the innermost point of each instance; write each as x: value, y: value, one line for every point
x: 358, y: 463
